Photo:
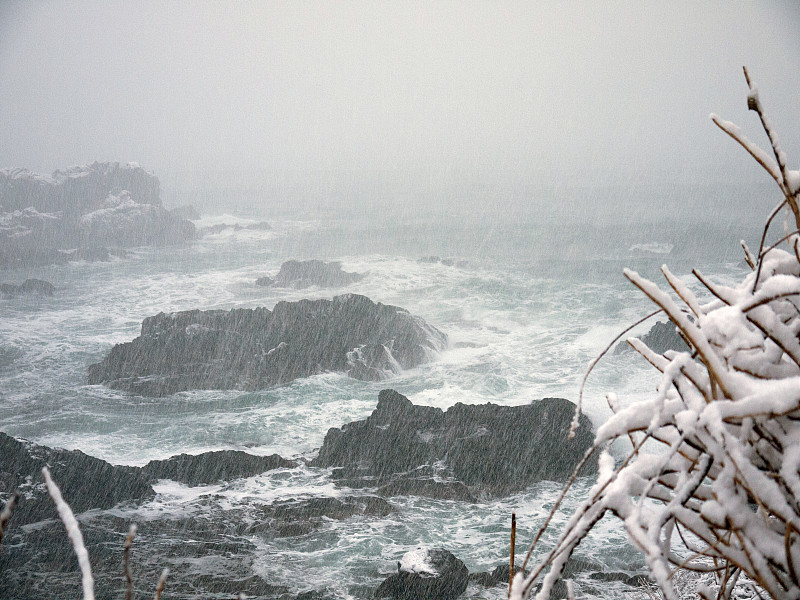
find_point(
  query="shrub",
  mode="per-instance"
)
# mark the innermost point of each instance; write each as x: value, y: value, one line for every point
x: 722, y: 496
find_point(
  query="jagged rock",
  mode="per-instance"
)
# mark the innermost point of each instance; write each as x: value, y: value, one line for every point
x: 257, y: 348
x: 29, y: 286
x: 428, y: 488
x: 302, y: 274
x: 86, y: 482
x: 211, y: 467
x: 661, y: 337
x: 430, y: 574
x: 489, y: 448
x: 102, y: 204
x: 291, y: 518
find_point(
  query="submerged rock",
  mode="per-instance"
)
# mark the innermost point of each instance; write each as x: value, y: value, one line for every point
x: 662, y: 336
x: 426, y: 574
x: 29, y: 286
x: 302, y: 274
x: 253, y: 349
x: 43, y: 217
x: 86, y: 482
x: 490, y: 449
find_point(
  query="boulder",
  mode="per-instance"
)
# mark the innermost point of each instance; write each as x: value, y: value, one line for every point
x: 662, y: 336
x: 29, y: 286
x: 85, y: 482
x: 302, y: 274
x: 211, y: 467
x: 491, y: 449
x: 102, y: 204
x: 257, y: 348
x: 426, y: 574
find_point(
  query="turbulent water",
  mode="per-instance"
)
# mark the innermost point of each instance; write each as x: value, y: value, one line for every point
x: 525, y: 313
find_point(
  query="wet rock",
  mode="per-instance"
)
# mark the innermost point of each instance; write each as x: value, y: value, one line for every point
x: 489, y: 448
x: 432, y: 574
x: 289, y: 518
x: 43, y: 217
x: 498, y: 576
x: 302, y: 274
x: 662, y: 337
x: 428, y: 488
x: 211, y: 467
x: 29, y: 286
x: 86, y: 482
x: 253, y: 349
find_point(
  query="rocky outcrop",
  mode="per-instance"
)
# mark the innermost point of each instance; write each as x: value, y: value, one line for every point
x: 426, y: 574
x: 253, y: 349
x: 86, y: 482
x: 43, y: 217
x: 490, y: 449
x: 302, y: 274
x: 29, y: 286
x: 290, y: 518
x: 211, y: 467
x: 662, y: 336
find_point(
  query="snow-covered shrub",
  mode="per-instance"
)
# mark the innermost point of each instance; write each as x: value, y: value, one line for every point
x: 722, y: 497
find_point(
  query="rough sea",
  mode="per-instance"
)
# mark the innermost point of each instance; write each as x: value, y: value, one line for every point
x: 527, y: 306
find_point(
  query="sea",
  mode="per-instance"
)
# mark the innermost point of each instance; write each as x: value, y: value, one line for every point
x: 527, y: 301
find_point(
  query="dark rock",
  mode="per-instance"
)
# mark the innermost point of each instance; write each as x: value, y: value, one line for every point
x: 211, y: 467
x: 662, y: 336
x: 428, y: 488
x: 466, y: 443
x: 265, y: 281
x: 289, y: 518
x: 448, y: 579
x: 498, y: 576
x: 29, y: 286
x: 256, y: 348
x: 302, y: 274
x: 85, y: 482
x: 102, y: 204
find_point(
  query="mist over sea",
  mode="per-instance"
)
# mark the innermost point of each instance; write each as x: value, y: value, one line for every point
x: 528, y: 301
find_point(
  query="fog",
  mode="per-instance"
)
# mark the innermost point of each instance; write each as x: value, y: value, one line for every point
x: 379, y: 102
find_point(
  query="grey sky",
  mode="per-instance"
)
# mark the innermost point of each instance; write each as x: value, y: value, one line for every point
x: 513, y: 88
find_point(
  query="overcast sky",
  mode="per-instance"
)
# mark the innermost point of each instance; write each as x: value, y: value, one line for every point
x: 621, y: 89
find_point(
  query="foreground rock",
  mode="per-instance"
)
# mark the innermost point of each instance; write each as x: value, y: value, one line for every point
x: 662, y: 336
x: 426, y: 574
x: 29, y: 286
x: 211, y: 467
x: 86, y: 482
x: 302, y: 274
x: 253, y: 349
x: 44, y: 217
x: 488, y: 448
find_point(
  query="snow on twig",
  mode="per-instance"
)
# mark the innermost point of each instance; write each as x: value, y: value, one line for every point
x: 74, y: 534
